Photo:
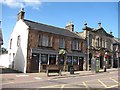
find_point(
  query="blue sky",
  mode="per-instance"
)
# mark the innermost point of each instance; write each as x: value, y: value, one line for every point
x: 59, y: 13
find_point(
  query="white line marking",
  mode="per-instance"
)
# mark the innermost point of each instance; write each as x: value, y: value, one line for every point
x: 38, y: 78
x: 22, y: 75
x: 114, y: 80
x: 62, y: 87
x: 85, y: 84
x: 113, y: 86
x: 102, y: 83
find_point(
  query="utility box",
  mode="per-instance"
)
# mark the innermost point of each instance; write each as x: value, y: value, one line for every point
x: 95, y: 65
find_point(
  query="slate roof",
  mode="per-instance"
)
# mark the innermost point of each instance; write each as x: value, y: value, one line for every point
x: 116, y: 40
x: 50, y: 29
x: 1, y: 38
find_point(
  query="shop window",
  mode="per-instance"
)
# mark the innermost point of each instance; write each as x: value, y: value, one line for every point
x: 52, y: 59
x: 69, y: 60
x: 75, y: 60
x: 44, y: 58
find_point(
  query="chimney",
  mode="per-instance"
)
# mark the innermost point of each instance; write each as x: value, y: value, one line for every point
x: 21, y: 14
x: 70, y: 26
x: 99, y: 25
x: 110, y: 33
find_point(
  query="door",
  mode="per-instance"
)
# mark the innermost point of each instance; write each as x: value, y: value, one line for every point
x: 81, y: 63
x: 35, y: 63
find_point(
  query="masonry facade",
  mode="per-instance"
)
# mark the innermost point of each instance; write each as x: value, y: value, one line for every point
x: 44, y: 45
x: 116, y: 52
x: 99, y: 45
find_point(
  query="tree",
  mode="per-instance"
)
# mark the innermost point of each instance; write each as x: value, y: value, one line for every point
x: 4, y: 50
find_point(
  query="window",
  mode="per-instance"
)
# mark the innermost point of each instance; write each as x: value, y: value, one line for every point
x: 18, y: 41
x: 75, y: 45
x: 100, y: 42
x: 69, y: 60
x: 45, y: 40
x: 61, y: 59
x: 75, y: 60
x: 52, y: 59
x: 44, y: 58
x: 62, y: 43
x: 10, y: 43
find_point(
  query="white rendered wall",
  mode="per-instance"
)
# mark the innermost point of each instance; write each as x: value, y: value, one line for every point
x: 4, y: 60
x: 20, y: 56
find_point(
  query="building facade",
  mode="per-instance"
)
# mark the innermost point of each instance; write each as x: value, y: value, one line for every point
x: 34, y: 46
x: 99, y: 45
x: 116, y: 52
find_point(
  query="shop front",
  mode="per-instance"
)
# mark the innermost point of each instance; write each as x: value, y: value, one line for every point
x: 41, y: 59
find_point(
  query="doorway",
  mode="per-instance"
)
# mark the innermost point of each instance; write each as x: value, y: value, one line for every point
x: 101, y: 62
x: 34, y: 63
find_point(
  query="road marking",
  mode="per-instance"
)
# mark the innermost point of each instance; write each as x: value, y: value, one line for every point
x: 86, y: 85
x: 51, y: 86
x: 62, y: 87
x: 114, y: 80
x: 22, y: 75
x: 113, y: 86
x: 102, y: 83
x: 38, y: 78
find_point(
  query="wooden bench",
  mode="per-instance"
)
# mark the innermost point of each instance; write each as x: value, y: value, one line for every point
x: 53, y: 69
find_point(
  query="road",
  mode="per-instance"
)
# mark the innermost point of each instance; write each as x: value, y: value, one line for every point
x: 101, y: 81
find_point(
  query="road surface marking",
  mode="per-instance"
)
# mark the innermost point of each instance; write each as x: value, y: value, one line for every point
x: 114, y: 80
x: 102, y: 83
x: 38, y: 78
x: 22, y: 75
x: 51, y: 86
x: 62, y: 87
x: 113, y: 86
x: 86, y: 85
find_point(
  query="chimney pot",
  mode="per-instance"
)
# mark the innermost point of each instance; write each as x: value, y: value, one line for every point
x: 70, y: 26
x: 21, y: 14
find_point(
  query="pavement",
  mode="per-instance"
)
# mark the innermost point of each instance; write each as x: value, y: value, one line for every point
x: 9, y: 76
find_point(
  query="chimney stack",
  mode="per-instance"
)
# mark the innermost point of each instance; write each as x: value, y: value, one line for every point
x: 99, y: 25
x: 110, y: 33
x: 70, y: 26
x: 21, y: 14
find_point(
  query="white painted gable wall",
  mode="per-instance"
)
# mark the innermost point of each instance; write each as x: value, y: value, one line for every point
x: 20, y: 58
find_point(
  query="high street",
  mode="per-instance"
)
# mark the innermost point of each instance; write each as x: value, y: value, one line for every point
x: 102, y: 80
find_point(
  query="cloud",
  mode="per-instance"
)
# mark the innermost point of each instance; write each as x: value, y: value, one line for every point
x: 21, y: 3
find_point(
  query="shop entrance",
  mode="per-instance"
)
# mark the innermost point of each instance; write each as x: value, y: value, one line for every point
x: 101, y: 62
x: 34, y: 67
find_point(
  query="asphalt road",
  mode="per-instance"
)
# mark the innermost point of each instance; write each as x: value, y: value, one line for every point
x: 101, y: 81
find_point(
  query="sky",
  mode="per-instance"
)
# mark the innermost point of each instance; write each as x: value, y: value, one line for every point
x: 59, y: 14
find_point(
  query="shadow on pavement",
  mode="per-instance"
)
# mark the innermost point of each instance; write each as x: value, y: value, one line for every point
x: 4, y: 70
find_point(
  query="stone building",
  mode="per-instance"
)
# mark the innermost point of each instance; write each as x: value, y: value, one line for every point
x: 33, y: 46
x: 99, y: 44
x: 116, y: 52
